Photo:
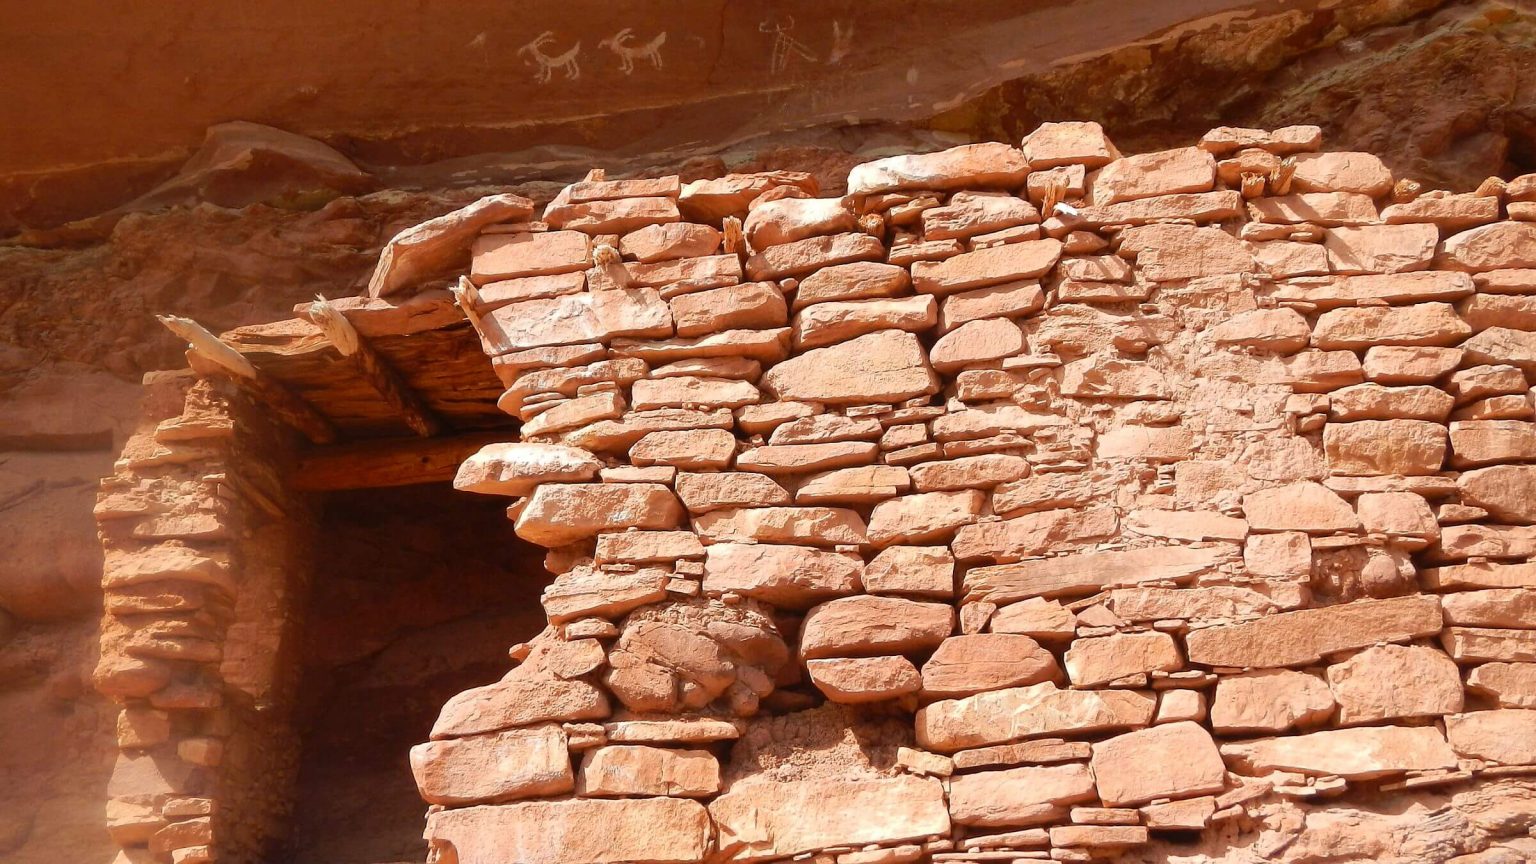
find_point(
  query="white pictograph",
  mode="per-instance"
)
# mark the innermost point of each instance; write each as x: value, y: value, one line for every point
x: 784, y: 44
x: 547, y: 63
x: 622, y: 44
x: 842, y: 42
x: 479, y: 44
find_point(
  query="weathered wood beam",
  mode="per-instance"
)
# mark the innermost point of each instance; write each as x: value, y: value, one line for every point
x: 208, y: 355
x: 391, y: 462
x: 375, y: 369
x: 209, y: 346
x: 467, y: 296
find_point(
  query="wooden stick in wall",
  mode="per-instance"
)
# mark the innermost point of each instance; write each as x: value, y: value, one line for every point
x: 220, y: 358
x: 374, y: 369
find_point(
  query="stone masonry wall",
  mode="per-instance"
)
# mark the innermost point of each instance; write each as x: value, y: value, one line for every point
x: 201, y: 543
x: 1103, y: 497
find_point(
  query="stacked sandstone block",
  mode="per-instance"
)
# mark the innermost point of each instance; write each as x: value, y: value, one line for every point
x: 1146, y: 487
x: 200, y: 544
x: 167, y: 519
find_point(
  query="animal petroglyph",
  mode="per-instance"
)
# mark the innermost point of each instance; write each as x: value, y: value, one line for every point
x: 623, y: 44
x: 547, y: 63
x: 842, y: 42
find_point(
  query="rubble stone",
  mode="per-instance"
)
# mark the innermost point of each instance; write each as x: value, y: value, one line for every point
x: 1087, y: 572
x: 984, y: 165
x: 983, y: 267
x: 1179, y: 457
x: 1103, y: 659
x: 516, y: 469
x: 914, y: 571
x: 521, y: 701
x: 1390, y: 447
x: 1504, y: 735
x: 1362, y: 173
x: 1068, y: 143
x: 1422, y: 324
x: 1510, y: 685
x: 792, y: 577
x: 1479, y: 644
x: 1168, y: 172
x: 1301, y: 506
x: 1490, y: 247
x: 1494, y: 607
x: 812, y: 526
x: 1380, y: 248
x: 923, y: 518
x: 861, y: 280
x: 577, y: 318
x: 1507, y: 492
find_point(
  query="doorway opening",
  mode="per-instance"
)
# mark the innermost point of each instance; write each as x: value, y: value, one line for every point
x: 416, y: 594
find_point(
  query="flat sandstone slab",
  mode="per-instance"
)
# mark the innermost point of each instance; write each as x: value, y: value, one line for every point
x: 1088, y: 572
x: 762, y: 821
x: 1003, y: 716
x: 516, y: 763
x: 577, y: 318
x: 1356, y: 754
x: 561, y: 513
x: 1307, y: 635
x: 887, y: 366
x: 985, y: 164
x: 581, y: 831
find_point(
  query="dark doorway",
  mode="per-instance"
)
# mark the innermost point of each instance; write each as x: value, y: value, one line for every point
x: 416, y: 595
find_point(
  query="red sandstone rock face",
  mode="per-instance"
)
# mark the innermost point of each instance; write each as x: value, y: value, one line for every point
x: 628, y: 91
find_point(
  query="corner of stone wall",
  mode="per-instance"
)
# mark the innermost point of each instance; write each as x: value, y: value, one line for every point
x: 202, y: 546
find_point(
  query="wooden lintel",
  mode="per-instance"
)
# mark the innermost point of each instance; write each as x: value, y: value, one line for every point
x: 208, y: 355
x: 391, y: 462
x: 375, y: 369
x: 284, y: 404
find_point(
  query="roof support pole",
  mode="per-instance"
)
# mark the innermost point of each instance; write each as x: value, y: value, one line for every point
x: 209, y: 355
x: 375, y: 369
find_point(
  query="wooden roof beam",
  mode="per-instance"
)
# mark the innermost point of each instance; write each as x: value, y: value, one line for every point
x: 375, y: 369
x: 389, y: 462
x: 210, y: 355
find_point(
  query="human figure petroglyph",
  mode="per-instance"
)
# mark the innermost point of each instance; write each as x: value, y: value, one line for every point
x: 549, y: 63
x: 784, y: 44
x: 621, y: 43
